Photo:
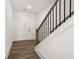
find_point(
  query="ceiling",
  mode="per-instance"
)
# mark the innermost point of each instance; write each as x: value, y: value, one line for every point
x: 36, y: 5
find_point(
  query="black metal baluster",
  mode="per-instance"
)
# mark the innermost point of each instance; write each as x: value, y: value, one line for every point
x: 56, y: 17
x: 50, y: 22
x: 70, y: 8
x: 44, y: 30
x: 59, y: 12
x: 53, y: 19
x: 41, y: 33
x: 38, y: 35
x: 64, y: 10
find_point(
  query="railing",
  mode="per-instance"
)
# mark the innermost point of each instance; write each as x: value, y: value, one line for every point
x: 58, y: 14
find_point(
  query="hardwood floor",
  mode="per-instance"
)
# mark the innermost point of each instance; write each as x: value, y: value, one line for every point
x: 23, y: 50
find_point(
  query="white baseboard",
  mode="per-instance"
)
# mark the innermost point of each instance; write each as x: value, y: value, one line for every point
x: 23, y: 39
x: 40, y: 53
x: 8, y: 51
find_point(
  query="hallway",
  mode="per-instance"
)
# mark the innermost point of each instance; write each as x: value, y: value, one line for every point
x: 47, y: 22
x: 23, y: 50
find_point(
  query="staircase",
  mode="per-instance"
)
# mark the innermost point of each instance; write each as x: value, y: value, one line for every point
x: 55, y: 35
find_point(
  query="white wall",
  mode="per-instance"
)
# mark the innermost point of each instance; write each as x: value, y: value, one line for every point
x: 60, y: 44
x: 22, y: 22
x: 8, y: 27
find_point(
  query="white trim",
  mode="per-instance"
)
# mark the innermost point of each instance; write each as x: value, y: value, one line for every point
x: 23, y: 39
x: 40, y: 53
x: 8, y: 51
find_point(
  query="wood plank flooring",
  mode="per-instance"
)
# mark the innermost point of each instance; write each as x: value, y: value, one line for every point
x: 23, y: 50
